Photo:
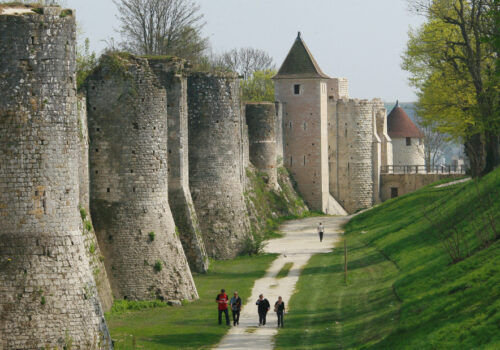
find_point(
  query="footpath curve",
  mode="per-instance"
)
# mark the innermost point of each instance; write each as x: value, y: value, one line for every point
x: 299, y: 243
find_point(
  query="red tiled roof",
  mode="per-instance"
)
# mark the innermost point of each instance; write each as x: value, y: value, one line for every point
x: 400, y: 125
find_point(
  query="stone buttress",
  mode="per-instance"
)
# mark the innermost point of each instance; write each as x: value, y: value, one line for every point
x: 216, y: 157
x: 48, y: 295
x: 127, y: 111
x: 171, y: 74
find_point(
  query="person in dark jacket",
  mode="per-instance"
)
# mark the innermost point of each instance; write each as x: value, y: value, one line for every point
x: 235, y: 308
x: 279, y: 308
x: 222, y: 301
x: 263, y: 307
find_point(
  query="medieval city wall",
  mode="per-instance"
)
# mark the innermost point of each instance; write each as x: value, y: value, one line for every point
x: 48, y: 295
x: 215, y: 162
x: 279, y: 133
x: 338, y: 88
x: 261, y: 122
x: 354, y: 180
x: 305, y: 137
x: 171, y: 74
x: 90, y: 240
x: 406, y: 183
x: 127, y: 120
x: 408, y: 155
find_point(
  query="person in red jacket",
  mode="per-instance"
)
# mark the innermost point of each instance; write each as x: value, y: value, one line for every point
x: 222, y: 301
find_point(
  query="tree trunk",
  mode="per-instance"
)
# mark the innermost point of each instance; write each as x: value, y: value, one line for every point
x: 492, y: 144
x: 475, y: 151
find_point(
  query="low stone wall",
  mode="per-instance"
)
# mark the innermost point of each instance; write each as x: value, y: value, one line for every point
x: 406, y: 183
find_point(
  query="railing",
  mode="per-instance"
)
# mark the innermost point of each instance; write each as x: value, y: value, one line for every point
x: 422, y: 169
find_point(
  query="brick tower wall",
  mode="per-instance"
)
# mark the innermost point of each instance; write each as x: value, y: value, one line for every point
x: 127, y: 111
x: 215, y: 162
x: 90, y: 239
x: 171, y: 74
x: 305, y: 136
x: 48, y: 295
x: 261, y: 121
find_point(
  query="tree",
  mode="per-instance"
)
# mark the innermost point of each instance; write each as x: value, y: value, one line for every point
x: 436, y: 143
x: 259, y: 87
x: 246, y: 61
x: 452, y: 65
x: 162, y: 27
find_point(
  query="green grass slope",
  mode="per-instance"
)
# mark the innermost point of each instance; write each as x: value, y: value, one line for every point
x: 404, y: 291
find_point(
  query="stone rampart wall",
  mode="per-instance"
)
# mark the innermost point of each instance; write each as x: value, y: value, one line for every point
x: 215, y: 162
x: 91, y: 246
x: 48, y: 295
x: 171, y: 75
x: 261, y: 121
x: 127, y: 112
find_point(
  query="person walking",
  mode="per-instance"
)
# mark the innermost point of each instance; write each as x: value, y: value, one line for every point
x: 263, y: 307
x: 222, y: 301
x: 321, y: 230
x: 235, y: 308
x: 279, y: 308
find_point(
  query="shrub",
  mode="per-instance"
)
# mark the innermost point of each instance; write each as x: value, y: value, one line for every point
x: 158, y: 266
x: 253, y: 245
x: 151, y: 236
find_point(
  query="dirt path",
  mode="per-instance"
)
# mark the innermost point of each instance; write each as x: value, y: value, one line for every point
x: 300, y: 242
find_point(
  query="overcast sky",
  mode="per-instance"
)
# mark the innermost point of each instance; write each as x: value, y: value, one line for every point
x: 361, y: 40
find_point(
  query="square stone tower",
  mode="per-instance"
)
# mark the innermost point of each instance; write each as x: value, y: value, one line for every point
x: 301, y: 89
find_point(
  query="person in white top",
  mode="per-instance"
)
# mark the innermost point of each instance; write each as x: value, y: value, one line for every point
x: 321, y: 230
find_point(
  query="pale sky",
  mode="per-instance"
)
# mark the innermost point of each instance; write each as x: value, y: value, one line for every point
x: 361, y: 40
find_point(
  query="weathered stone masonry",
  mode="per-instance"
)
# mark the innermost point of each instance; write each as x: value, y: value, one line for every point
x: 261, y: 121
x: 90, y: 240
x: 171, y: 73
x: 129, y: 182
x: 47, y: 291
x: 215, y: 162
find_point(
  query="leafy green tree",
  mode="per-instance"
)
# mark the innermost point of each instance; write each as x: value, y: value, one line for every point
x: 259, y: 87
x: 453, y: 67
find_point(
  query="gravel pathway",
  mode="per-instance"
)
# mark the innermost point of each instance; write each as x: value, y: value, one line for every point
x: 299, y: 243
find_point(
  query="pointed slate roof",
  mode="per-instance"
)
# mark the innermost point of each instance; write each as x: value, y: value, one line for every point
x: 300, y: 63
x: 399, y: 125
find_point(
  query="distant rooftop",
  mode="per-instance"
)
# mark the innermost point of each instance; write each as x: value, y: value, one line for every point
x: 300, y: 63
x: 399, y: 124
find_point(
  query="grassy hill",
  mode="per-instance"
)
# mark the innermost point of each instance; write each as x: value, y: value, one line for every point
x: 424, y: 273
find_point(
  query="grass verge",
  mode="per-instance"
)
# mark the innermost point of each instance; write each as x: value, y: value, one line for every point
x: 284, y: 270
x: 406, y: 289
x: 327, y: 314
x: 193, y: 326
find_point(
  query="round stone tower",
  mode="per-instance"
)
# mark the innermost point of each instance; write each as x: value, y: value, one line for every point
x: 48, y: 295
x: 129, y: 182
x: 355, y: 142
x: 216, y: 178
x: 261, y: 121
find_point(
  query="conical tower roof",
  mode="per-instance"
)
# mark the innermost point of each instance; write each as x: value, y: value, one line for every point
x: 400, y: 125
x: 300, y: 63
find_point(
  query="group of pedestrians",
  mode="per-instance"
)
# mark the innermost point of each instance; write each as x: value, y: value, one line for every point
x: 263, y: 307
